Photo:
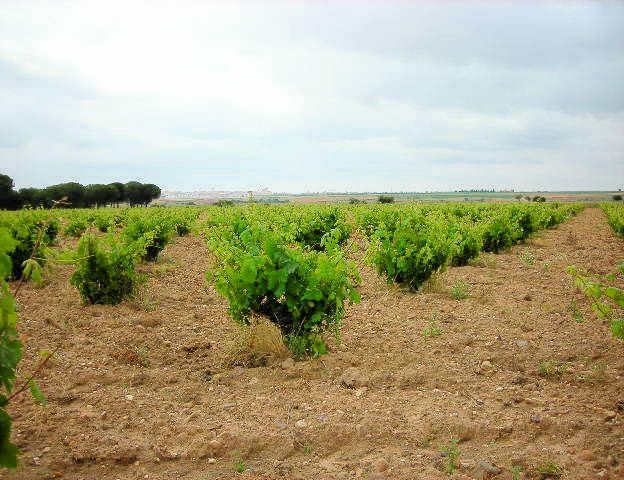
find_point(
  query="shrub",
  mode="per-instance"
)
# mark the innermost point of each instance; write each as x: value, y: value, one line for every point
x: 182, y: 228
x: 302, y: 291
x: 182, y: 219
x: 323, y: 229
x: 467, y: 243
x: 32, y: 235
x: 76, y: 227
x: 105, y: 271
x: 607, y: 299
x: 617, y: 198
x: 10, y: 349
x: 107, y: 221
x: 154, y: 232
x: 615, y: 216
x: 410, y: 253
x: 498, y: 234
x: 526, y: 220
x: 52, y: 227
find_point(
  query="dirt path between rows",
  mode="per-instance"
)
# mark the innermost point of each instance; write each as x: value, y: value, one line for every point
x: 138, y: 391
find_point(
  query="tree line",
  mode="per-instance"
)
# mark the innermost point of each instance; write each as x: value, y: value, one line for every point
x: 75, y: 195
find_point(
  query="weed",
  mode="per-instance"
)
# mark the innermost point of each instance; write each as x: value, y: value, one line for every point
x: 434, y: 284
x: 451, y: 455
x: 433, y: 330
x: 426, y: 440
x: 577, y: 315
x: 429, y: 436
x: 163, y: 268
x: 516, y: 471
x: 239, y: 463
x: 607, y: 300
x: 549, y: 469
x: 133, y: 356
x: 483, y: 261
x: 147, y: 303
x: 459, y: 290
x: 571, y: 238
x: 598, y: 374
x: 561, y: 257
x: 527, y: 257
x: 551, y: 368
x: 257, y: 343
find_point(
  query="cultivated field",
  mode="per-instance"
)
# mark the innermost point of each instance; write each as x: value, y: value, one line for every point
x: 465, y: 351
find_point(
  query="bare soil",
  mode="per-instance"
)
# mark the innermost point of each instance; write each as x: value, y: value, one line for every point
x: 141, y: 390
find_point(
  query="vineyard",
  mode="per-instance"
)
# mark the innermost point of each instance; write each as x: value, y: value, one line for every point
x: 319, y: 326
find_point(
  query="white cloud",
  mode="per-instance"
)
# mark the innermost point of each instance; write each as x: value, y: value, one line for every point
x: 311, y: 95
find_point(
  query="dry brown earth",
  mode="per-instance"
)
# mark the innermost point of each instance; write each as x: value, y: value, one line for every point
x: 139, y: 391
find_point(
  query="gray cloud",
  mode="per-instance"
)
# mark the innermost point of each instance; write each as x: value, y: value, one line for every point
x: 314, y: 95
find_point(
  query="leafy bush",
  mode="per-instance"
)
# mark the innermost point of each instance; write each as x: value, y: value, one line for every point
x: 76, y: 227
x: 52, y: 227
x: 615, y: 217
x: 525, y: 219
x: 182, y: 228
x: 385, y: 199
x: 409, y: 254
x: 498, y: 234
x: 33, y: 235
x: 617, y: 198
x: 105, y: 271
x: 323, y: 228
x: 155, y: 232
x: 607, y: 300
x: 302, y: 291
x: 378, y: 217
x: 10, y: 349
x: 108, y: 220
x: 467, y: 243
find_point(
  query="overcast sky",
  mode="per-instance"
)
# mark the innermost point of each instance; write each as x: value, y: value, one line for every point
x: 313, y: 96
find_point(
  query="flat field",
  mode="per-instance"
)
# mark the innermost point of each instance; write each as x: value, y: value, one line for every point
x: 520, y: 372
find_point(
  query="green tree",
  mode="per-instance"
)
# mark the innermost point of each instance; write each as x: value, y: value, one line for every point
x: 71, y: 194
x: 99, y: 194
x: 134, y: 193
x: 120, y: 195
x: 9, y: 198
x: 33, y: 197
x: 150, y: 192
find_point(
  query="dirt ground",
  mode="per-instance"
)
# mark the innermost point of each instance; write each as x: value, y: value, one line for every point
x: 140, y: 390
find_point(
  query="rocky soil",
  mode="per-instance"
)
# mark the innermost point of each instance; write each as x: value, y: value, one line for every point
x: 519, y: 374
